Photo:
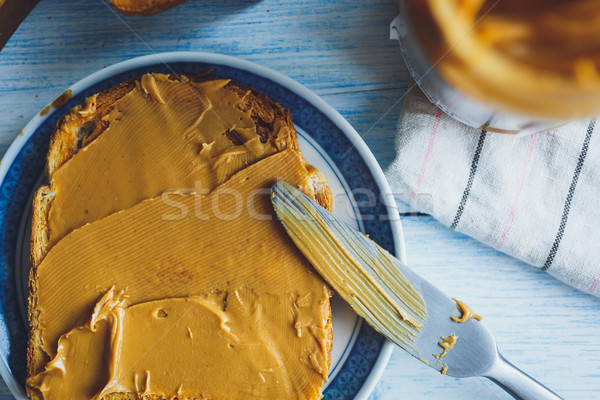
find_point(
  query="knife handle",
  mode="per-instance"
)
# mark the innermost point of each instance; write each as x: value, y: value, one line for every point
x: 516, y: 382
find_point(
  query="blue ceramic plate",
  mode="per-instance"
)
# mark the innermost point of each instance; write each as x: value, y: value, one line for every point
x: 362, y: 198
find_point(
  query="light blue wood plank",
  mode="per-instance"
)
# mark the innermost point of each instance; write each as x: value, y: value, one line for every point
x: 328, y: 45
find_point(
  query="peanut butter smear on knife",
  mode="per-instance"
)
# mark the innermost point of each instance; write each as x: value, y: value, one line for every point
x: 466, y: 313
x: 368, y: 281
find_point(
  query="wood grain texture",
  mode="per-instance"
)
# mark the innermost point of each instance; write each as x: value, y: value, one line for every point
x: 340, y: 50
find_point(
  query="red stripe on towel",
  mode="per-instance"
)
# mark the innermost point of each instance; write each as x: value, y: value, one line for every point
x: 436, y: 124
x: 594, y: 284
x: 515, y: 206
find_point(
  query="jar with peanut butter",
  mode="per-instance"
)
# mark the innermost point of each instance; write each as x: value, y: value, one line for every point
x: 508, y: 66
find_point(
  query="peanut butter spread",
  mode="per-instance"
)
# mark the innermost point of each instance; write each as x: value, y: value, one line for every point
x: 187, y: 296
x: 465, y: 313
x: 356, y: 270
x: 447, y: 343
x: 163, y: 134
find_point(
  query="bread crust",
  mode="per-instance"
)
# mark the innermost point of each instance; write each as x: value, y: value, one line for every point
x: 68, y: 138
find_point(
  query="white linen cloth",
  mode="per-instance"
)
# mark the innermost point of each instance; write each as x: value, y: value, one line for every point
x: 534, y: 197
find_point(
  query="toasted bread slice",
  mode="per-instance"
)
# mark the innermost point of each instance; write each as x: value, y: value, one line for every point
x: 144, y: 7
x: 84, y: 124
x: 36, y: 354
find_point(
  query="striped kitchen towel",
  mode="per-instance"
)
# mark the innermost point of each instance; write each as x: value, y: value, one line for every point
x: 534, y: 197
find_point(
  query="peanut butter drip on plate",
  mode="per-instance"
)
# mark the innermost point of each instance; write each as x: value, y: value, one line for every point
x: 219, y: 302
x: 465, y: 313
x: 162, y: 135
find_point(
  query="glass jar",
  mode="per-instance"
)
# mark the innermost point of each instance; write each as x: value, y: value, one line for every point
x: 508, y: 66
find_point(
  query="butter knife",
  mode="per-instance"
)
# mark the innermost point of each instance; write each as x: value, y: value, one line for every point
x: 395, y: 301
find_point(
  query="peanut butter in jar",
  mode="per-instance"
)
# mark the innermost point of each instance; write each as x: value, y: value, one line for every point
x: 509, y: 65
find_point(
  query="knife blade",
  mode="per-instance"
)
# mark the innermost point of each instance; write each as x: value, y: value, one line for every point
x: 386, y: 293
x: 12, y: 13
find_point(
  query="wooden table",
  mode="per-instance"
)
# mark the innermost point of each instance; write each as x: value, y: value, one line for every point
x: 340, y: 50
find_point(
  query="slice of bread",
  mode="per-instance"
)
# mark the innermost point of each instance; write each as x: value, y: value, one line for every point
x: 84, y: 124
x: 144, y: 7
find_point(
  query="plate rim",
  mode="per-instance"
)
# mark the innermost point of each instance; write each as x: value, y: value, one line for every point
x: 265, y: 72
